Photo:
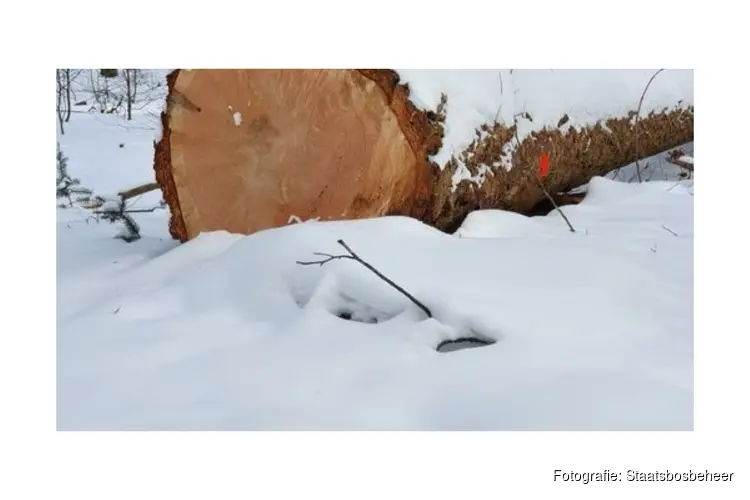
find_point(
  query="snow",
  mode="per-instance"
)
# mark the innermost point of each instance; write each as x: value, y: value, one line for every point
x: 118, y: 154
x: 686, y: 159
x: 227, y: 332
x: 592, y: 330
x: 110, y: 205
x: 462, y: 173
x: 477, y: 97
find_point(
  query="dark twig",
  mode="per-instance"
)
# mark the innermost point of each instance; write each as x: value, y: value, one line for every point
x: 353, y: 256
x: 129, y: 211
x: 324, y: 261
x: 500, y: 107
x: 635, y: 127
x: 541, y: 185
x: 554, y: 203
x: 667, y: 229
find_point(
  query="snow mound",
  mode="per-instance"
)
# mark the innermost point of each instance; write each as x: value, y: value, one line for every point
x: 504, y: 224
x: 601, y: 190
x: 229, y: 332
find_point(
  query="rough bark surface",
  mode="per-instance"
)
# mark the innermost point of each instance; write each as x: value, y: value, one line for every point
x: 341, y: 144
x: 163, y: 168
x: 575, y: 157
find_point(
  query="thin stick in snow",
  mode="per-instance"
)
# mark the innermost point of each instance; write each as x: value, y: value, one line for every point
x: 353, y: 256
x: 635, y: 127
x: 130, y: 211
x: 541, y: 185
x: 554, y: 203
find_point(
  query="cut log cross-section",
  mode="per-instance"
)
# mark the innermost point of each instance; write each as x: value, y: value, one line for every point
x: 247, y: 150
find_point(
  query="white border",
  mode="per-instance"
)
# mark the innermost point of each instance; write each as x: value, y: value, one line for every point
x: 41, y: 463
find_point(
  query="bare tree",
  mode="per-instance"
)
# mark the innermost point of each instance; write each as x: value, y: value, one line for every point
x: 68, y: 90
x: 70, y: 77
x: 131, y: 77
x: 141, y: 89
x: 123, y: 91
x: 62, y: 89
x: 106, y: 97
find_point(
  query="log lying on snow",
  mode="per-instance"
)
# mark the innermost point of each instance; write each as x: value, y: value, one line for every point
x: 245, y: 150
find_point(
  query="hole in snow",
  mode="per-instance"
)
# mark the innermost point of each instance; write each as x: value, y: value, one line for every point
x: 360, y: 316
x: 360, y: 307
x: 463, y: 343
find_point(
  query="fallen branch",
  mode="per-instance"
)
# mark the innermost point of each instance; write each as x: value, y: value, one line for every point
x: 125, y: 195
x: 635, y: 126
x: 679, y: 158
x: 132, y: 211
x: 353, y: 256
x: 145, y: 188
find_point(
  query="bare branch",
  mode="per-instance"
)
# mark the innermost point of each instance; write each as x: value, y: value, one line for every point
x: 127, y: 194
x: 667, y: 229
x: 324, y: 261
x: 353, y: 256
x: 554, y: 203
x: 541, y: 185
x: 61, y: 111
x: 129, y: 211
x: 145, y: 188
x: 635, y: 127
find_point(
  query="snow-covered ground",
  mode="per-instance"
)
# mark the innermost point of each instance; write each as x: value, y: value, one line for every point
x: 591, y: 330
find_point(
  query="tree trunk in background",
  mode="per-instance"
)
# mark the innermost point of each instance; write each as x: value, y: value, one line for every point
x: 60, y: 101
x: 129, y: 93
x: 246, y: 150
x: 68, y: 92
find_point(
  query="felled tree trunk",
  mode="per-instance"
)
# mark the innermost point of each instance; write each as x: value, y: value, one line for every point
x: 577, y: 156
x: 246, y: 150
